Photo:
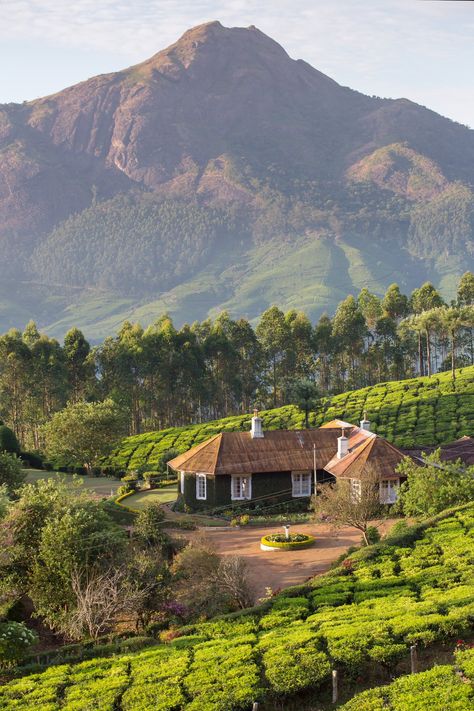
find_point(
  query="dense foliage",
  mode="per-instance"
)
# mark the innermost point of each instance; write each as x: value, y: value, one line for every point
x: 434, y: 487
x: 170, y: 241
x: 162, y: 377
x: 415, y: 586
x: 11, y: 472
x: 416, y: 411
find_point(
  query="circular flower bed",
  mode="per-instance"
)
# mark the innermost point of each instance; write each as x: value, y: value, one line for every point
x: 278, y: 541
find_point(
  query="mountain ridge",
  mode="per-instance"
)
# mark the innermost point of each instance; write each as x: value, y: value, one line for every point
x: 223, y: 127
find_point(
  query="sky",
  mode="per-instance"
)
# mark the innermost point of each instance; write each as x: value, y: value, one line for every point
x: 422, y: 50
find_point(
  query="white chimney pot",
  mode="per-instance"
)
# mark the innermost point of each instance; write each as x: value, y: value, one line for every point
x: 256, y: 431
x: 342, y: 445
x: 365, y: 423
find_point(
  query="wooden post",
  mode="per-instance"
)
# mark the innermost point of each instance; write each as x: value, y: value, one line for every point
x: 255, y: 706
x: 413, y: 659
x: 334, y: 686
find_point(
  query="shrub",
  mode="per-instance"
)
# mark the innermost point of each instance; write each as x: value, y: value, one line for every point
x: 12, y: 474
x: 15, y: 642
x: 8, y: 441
x: 294, y: 665
x: 32, y: 459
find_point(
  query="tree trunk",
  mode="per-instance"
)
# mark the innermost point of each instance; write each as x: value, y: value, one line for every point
x: 428, y: 353
x: 420, y: 354
x: 453, y: 356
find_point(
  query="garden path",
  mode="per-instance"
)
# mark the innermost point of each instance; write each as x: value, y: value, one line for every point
x: 280, y: 569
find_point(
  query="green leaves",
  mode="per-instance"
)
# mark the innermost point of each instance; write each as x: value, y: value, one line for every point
x: 368, y: 618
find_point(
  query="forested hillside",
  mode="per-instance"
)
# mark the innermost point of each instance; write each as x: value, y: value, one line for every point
x: 155, y: 189
x: 418, y: 411
x: 361, y: 618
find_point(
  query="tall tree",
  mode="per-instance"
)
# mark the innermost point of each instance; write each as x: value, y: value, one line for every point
x: 274, y: 335
x: 79, y: 365
x: 394, y: 303
x: 84, y: 432
x: 350, y: 330
x: 452, y: 320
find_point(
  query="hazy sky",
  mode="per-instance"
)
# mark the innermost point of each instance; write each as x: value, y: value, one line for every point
x: 422, y: 50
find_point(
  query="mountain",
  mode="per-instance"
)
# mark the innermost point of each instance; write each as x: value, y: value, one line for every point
x: 223, y: 173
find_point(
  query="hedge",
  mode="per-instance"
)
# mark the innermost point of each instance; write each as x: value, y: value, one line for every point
x: 287, y: 545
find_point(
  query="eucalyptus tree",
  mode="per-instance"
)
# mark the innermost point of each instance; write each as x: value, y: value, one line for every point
x: 273, y: 332
x: 79, y: 364
x: 349, y: 333
x: 452, y: 320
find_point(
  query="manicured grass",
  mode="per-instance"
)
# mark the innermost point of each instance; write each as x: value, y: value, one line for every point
x: 421, y: 411
x: 102, y: 486
x: 141, y: 499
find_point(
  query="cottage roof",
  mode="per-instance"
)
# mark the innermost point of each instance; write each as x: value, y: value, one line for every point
x: 462, y: 449
x: 278, y: 450
x: 369, y: 455
x: 337, y: 424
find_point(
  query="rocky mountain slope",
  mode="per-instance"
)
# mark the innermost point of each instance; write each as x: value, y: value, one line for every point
x: 221, y: 172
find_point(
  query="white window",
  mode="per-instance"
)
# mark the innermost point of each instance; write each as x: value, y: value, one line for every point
x: 201, y: 487
x: 356, y: 490
x: 301, y: 484
x: 389, y: 491
x: 241, y: 488
x: 181, y: 482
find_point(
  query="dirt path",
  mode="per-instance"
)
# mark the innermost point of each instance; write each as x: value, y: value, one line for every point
x: 280, y: 569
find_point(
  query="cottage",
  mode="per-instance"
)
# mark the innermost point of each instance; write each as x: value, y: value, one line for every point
x: 280, y: 465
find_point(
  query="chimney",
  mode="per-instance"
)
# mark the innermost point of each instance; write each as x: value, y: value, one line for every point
x: 365, y: 423
x: 256, y: 430
x: 342, y: 445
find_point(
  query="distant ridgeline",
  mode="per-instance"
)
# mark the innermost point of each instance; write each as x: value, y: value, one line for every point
x: 155, y: 190
x: 418, y: 411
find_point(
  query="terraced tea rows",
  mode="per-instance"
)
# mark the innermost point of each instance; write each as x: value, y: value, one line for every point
x: 416, y: 586
x: 440, y: 688
x: 407, y: 412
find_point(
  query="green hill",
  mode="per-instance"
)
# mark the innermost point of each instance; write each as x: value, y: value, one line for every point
x: 418, y: 411
x: 416, y: 586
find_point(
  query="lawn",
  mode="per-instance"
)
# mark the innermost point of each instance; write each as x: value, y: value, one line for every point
x: 101, y: 486
x: 138, y: 501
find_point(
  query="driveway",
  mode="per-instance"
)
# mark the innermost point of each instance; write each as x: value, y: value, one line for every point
x: 280, y: 569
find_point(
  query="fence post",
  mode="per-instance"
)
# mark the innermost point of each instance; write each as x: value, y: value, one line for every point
x: 255, y: 706
x: 413, y: 659
x: 334, y: 686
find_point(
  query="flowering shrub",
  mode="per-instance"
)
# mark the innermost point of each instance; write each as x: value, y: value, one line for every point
x: 15, y: 642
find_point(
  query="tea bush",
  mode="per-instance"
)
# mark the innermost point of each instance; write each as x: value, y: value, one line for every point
x: 417, y: 411
x: 437, y: 689
x: 356, y: 616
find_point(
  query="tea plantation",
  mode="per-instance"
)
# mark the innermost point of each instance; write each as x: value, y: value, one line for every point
x: 440, y: 688
x: 407, y: 412
x: 416, y: 586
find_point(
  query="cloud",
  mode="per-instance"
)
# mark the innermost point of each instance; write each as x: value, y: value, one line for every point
x: 394, y: 47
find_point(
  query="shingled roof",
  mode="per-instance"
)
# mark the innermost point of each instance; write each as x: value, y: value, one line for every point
x: 369, y: 455
x: 462, y: 449
x: 278, y: 450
